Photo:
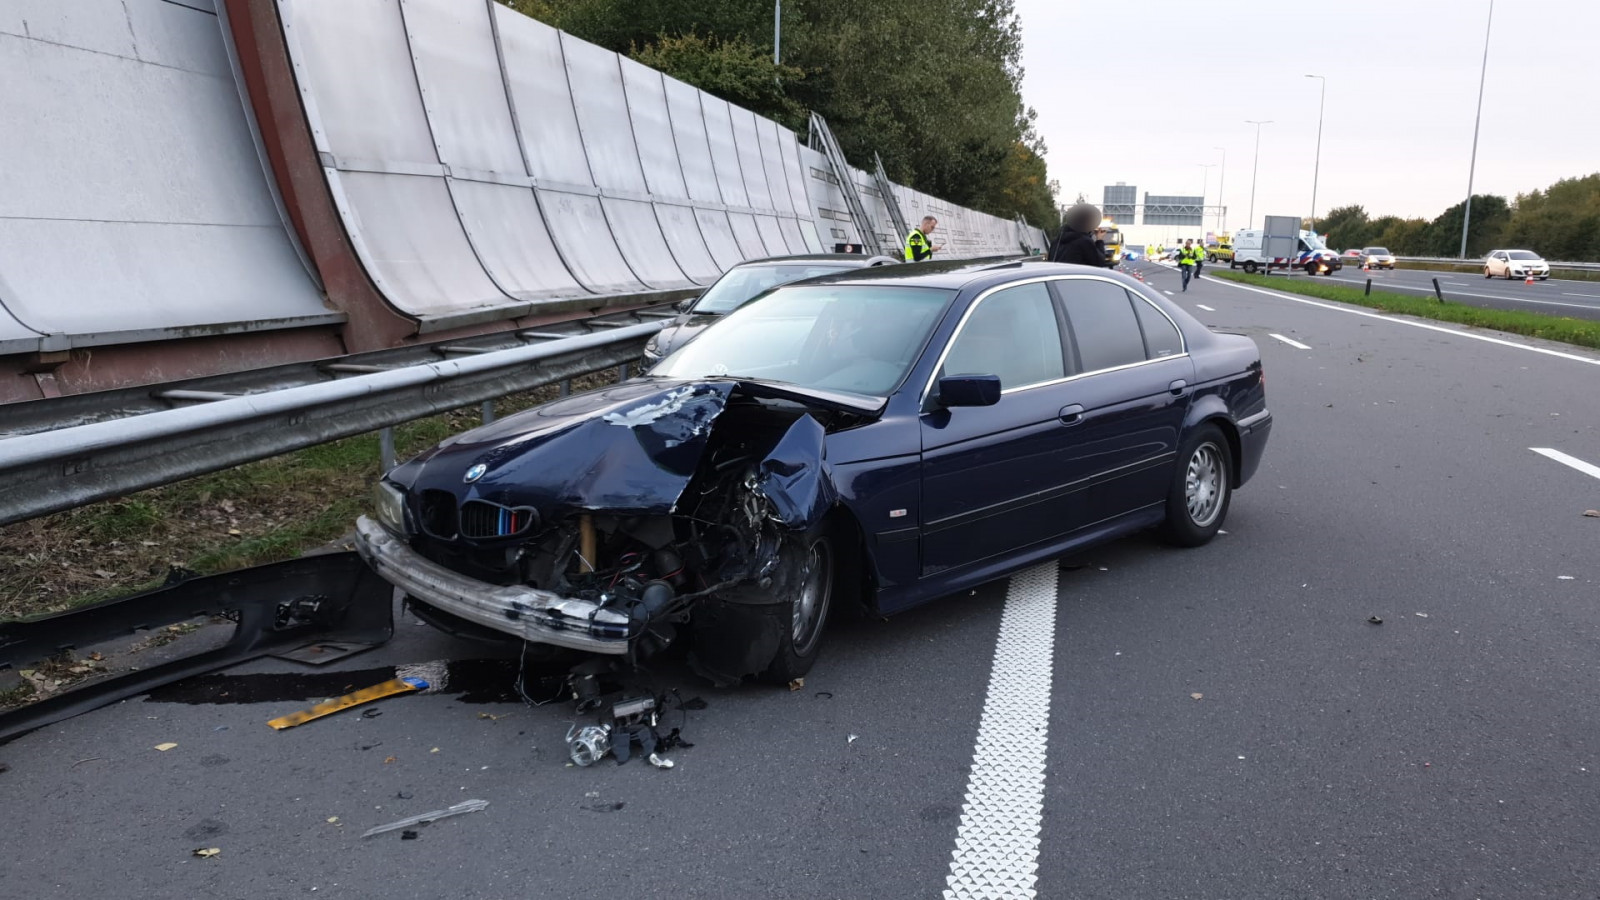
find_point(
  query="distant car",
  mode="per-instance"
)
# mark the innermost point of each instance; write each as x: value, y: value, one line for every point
x: 883, y: 436
x: 743, y: 283
x: 1515, y: 264
x: 1377, y: 258
x: 1351, y: 254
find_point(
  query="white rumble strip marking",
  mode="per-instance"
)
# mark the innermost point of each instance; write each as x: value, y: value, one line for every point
x: 1290, y: 341
x: 997, y: 844
x: 1565, y: 460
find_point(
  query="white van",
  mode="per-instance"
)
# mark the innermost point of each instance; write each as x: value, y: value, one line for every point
x: 1312, y: 255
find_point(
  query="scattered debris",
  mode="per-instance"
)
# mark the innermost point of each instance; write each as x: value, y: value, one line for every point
x: 165, y: 747
x: 434, y: 750
x: 371, y: 713
x: 824, y: 695
x: 1197, y: 696
x: 1592, y: 513
x: 851, y: 739
x: 465, y: 806
x: 1563, y: 577
x: 207, y: 852
x: 492, y: 717
x: 660, y: 762
x: 79, y: 762
x: 605, y: 807
x: 402, y: 795
x: 366, y: 695
x: 333, y: 820
x: 1422, y: 615
x: 1375, y: 620
x: 408, y: 835
x: 388, y: 759
x: 220, y: 728
x: 797, y: 684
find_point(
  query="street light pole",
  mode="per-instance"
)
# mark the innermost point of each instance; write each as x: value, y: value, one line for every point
x: 1255, y: 168
x: 1205, y: 182
x: 1222, y: 182
x: 1466, y: 214
x: 1317, y: 169
x: 777, y: 28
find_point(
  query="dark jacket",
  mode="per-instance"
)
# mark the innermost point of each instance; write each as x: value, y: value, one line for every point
x: 1080, y: 248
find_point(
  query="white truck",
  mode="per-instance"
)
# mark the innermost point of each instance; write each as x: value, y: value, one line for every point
x: 1312, y: 254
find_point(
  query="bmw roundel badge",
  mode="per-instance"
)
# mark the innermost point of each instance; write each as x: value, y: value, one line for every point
x: 476, y: 472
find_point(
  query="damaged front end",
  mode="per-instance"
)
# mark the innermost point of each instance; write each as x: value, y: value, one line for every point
x: 603, y: 523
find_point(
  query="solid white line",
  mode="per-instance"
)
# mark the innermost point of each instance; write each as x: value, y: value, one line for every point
x: 1594, y: 296
x: 1429, y: 290
x: 1566, y: 460
x: 1290, y: 341
x: 1168, y: 293
x: 997, y: 844
x: 1205, y: 307
x: 1372, y: 315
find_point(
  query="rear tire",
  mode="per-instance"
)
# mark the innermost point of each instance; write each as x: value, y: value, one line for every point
x: 1201, y: 489
x: 1250, y: 268
x: 1487, y: 273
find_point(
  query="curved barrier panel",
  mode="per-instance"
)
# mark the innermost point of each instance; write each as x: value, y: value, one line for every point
x: 794, y: 174
x: 720, y: 240
x: 694, y: 151
x: 684, y: 239
x: 602, y: 106
x: 133, y: 203
x: 771, y: 235
x: 753, y: 169
x: 772, y: 165
x: 724, y: 152
x: 748, y: 233
x: 579, y: 228
x: 547, y: 122
x: 508, y: 232
x: 640, y: 240
x: 652, y: 130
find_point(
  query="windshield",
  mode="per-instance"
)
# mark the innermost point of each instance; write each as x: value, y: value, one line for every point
x: 1312, y: 240
x: 1522, y: 254
x: 742, y: 283
x: 1111, y: 236
x: 850, y: 337
x: 1377, y: 251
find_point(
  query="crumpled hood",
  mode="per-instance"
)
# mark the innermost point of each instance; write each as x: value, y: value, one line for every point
x: 628, y: 449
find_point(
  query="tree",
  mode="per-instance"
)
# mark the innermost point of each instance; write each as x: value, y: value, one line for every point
x: 1346, y: 227
x: 1403, y: 237
x: 732, y: 69
x: 1490, y: 213
x: 1561, y: 222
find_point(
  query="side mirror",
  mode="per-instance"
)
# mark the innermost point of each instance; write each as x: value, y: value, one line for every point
x: 969, y: 390
x: 684, y: 304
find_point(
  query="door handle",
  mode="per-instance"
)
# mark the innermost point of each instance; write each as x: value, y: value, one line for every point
x: 1177, y: 386
x: 1071, y: 414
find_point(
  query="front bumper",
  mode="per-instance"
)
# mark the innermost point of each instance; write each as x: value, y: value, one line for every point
x: 516, y: 610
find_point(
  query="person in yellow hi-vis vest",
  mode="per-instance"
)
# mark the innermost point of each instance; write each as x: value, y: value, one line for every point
x: 918, y: 247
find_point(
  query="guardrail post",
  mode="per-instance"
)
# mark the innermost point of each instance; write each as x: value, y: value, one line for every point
x: 488, y: 412
x: 1369, y: 287
x: 386, y: 448
x: 566, y: 387
x: 1437, y: 291
x: 622, y: 372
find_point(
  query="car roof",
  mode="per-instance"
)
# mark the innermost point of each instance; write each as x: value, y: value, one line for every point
x: 855, y: 259
x: 979, y: 274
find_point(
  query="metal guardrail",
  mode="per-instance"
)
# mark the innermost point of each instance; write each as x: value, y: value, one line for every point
x: 1449, y: 261
x: 52, y: 470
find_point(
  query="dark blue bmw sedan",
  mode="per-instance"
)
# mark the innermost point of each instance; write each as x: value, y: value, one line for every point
x: 882, y: 437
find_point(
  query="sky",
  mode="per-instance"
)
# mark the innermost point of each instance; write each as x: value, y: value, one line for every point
x: 1145, y: 92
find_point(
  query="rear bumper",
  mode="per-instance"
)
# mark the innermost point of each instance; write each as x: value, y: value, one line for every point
x: 519, y: 611
x: 1253, y: 432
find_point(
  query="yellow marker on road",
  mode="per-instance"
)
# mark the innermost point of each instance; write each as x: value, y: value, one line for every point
x: 366, y: 695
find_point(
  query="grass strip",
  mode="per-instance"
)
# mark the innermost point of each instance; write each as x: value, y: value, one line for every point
x: 1581, y: 332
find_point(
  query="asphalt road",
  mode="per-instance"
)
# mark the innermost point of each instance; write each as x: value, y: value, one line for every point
x: 1578, y: 299
x: 1450, y: 751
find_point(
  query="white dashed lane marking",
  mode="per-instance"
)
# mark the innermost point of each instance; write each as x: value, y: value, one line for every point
x: 1205, y: 307
x: 1290, y: 341
x: 997, y: 844
x: 1571, y: 461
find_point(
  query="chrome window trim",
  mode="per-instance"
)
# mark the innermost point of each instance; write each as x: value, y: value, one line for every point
x: 933, y: 377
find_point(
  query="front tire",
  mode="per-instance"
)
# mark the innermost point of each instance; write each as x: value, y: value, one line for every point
x: 1201, y: 489
x: 1250, y: 268
x: 806, y: 606
x: 1487, y: 273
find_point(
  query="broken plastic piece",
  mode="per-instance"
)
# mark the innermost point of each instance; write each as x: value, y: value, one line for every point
x: 1376, y: 620
x: 465, y: 806
x: 661, y: 762
x: 165, y: 747
x: 366, y: 695
x: 207, y: 852
x: 589, y: 744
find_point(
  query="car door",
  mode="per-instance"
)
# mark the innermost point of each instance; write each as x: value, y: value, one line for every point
x: 993, y: 476
x: 1497, y: 263
x: 1129, y: 399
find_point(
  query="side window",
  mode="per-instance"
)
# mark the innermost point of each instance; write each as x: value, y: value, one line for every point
x: 1103, y: 323
x: 1013, y: 334
x: 1160, y: 337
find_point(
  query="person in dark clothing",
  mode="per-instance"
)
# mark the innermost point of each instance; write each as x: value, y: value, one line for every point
x: 1078, y: 242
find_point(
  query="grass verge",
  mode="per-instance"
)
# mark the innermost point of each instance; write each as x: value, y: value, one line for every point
x: 261, y: 512
x: 1581, y: 332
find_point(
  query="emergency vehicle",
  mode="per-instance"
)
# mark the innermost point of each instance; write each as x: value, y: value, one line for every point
x: 1112, y: 236
x: 1311, y: 254
x: 1220, y: 249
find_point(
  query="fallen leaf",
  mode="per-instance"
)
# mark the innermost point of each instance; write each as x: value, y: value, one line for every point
x: 235, y: 531
x: 492, y: 717
x: 165, y: 747
x: 797, y: 684
x: 207, y: 852
x: 1196, y: 696
x: 387, y: 760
